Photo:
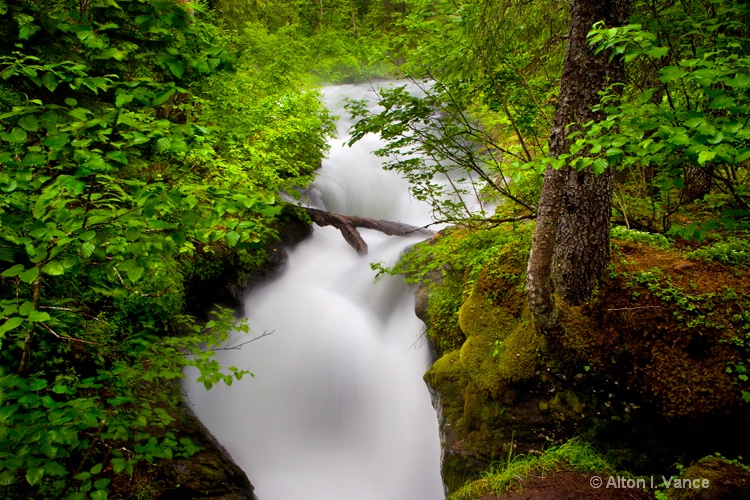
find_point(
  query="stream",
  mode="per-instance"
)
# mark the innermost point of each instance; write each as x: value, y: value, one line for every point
x: 337, y: 408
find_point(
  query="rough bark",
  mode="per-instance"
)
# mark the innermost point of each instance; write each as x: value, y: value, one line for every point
x: 570, y: 248
x: 698, y: 182
x: 348, y: 225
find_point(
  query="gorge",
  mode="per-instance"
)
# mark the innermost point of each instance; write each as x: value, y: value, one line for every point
x: 337, y: 408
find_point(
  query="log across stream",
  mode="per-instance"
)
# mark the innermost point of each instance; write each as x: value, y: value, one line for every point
x: 337, y: 409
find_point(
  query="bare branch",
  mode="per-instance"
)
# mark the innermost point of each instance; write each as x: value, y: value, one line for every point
x: 239, y: 346
x: 63, y: 337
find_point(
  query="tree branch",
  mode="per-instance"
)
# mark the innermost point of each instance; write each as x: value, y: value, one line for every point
x: 348, y: 225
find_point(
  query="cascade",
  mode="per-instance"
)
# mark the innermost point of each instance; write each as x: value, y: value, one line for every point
x: 337, y: 408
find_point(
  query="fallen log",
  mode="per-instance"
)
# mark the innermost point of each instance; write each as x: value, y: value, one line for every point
x: 348, y: 225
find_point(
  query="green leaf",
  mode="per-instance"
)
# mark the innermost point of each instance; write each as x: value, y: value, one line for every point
x: 102, y: 483
x: 29, y: 275
x: 163, y: 96
x: 34, y: 159
x: 96, y: 469
x: 163, y: 144
x: 29, y: 123
x: 26, y: 308
x: 87, y: 249
x: 657, y: 52
x: 50, y: 80
x: 55, y: 469
x: 38, y: 317
x: 118, y: 465
x: 56, y: 140
x: 671, y: 73
x: 599, y: 165
x: 16, y: 135
x: 177, y: 67
x: 53, y: 268
x: 118, y: 156
x: 741, y: 81
x: 7, y: 478
x: 86, y: 235
x: 232, y: 238
x: 135, y: 273
x: 99, y: 495
x: 705, y: 156
x: 13, y: 271
x: 34, y: 475
x: 122, y: 99
x: 10, y: 324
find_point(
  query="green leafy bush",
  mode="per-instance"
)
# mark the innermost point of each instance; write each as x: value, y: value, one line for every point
x: 733, y: 250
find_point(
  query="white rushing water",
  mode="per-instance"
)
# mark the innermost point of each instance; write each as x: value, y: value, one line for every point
x: 337, y: 409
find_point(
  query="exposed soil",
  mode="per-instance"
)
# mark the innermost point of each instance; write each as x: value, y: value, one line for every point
x: 698, y: 275
x: 567, y: 485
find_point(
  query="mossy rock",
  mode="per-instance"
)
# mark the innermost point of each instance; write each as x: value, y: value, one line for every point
x: 478, y: 317
x: 502, y: 280
x: 519, y: 354
x: 725, y: 479
x: 565, y: 405
x: 481, y: 367
x: 448, y: 376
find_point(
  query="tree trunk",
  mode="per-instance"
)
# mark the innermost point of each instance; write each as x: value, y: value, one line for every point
x: 348, y: 225
x: 570, y: 248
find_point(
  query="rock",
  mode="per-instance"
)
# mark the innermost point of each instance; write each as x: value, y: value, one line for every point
x: 725, y: 480
x: 209, y: 474
x: 682, y: 266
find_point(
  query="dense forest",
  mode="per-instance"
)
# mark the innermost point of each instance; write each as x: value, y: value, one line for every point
x: 147, y: 146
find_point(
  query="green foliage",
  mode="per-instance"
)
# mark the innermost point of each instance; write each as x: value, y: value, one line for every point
x: 66, y: 436
x: 444, y: 153
x: 683, y: 118
x: 572, y: 455
x: 652, y: 239
x: 733, y: 251
x: 450, y: 263
x: 126, y: 128
x: 483, y: 111
x: 464, y: 250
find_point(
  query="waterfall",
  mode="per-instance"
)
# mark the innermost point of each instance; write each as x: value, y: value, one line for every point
x: 337, y: 408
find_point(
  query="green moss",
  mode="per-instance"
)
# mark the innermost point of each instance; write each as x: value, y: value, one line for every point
x: 448, y: 374
x: 481, y: 367
x: 479, y: 318
x: 442, y: 309
x: 518, y: 354
x: 564, y: 406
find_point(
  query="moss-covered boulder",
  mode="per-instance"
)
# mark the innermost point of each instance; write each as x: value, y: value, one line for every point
x: 645, y: 363
x: 711, y: 478
x: 482, y: 417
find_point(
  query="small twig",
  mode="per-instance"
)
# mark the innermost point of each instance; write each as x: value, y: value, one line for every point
x: 638, y: 307
x: 239, y: 346
x: 70, y: 310
x: 62, y: 337
x: 490, y: 220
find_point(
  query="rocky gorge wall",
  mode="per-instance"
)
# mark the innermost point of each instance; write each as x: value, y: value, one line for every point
x: 640, y: 371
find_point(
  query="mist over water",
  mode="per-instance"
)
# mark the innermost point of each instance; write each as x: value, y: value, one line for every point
x: 337, y: 409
